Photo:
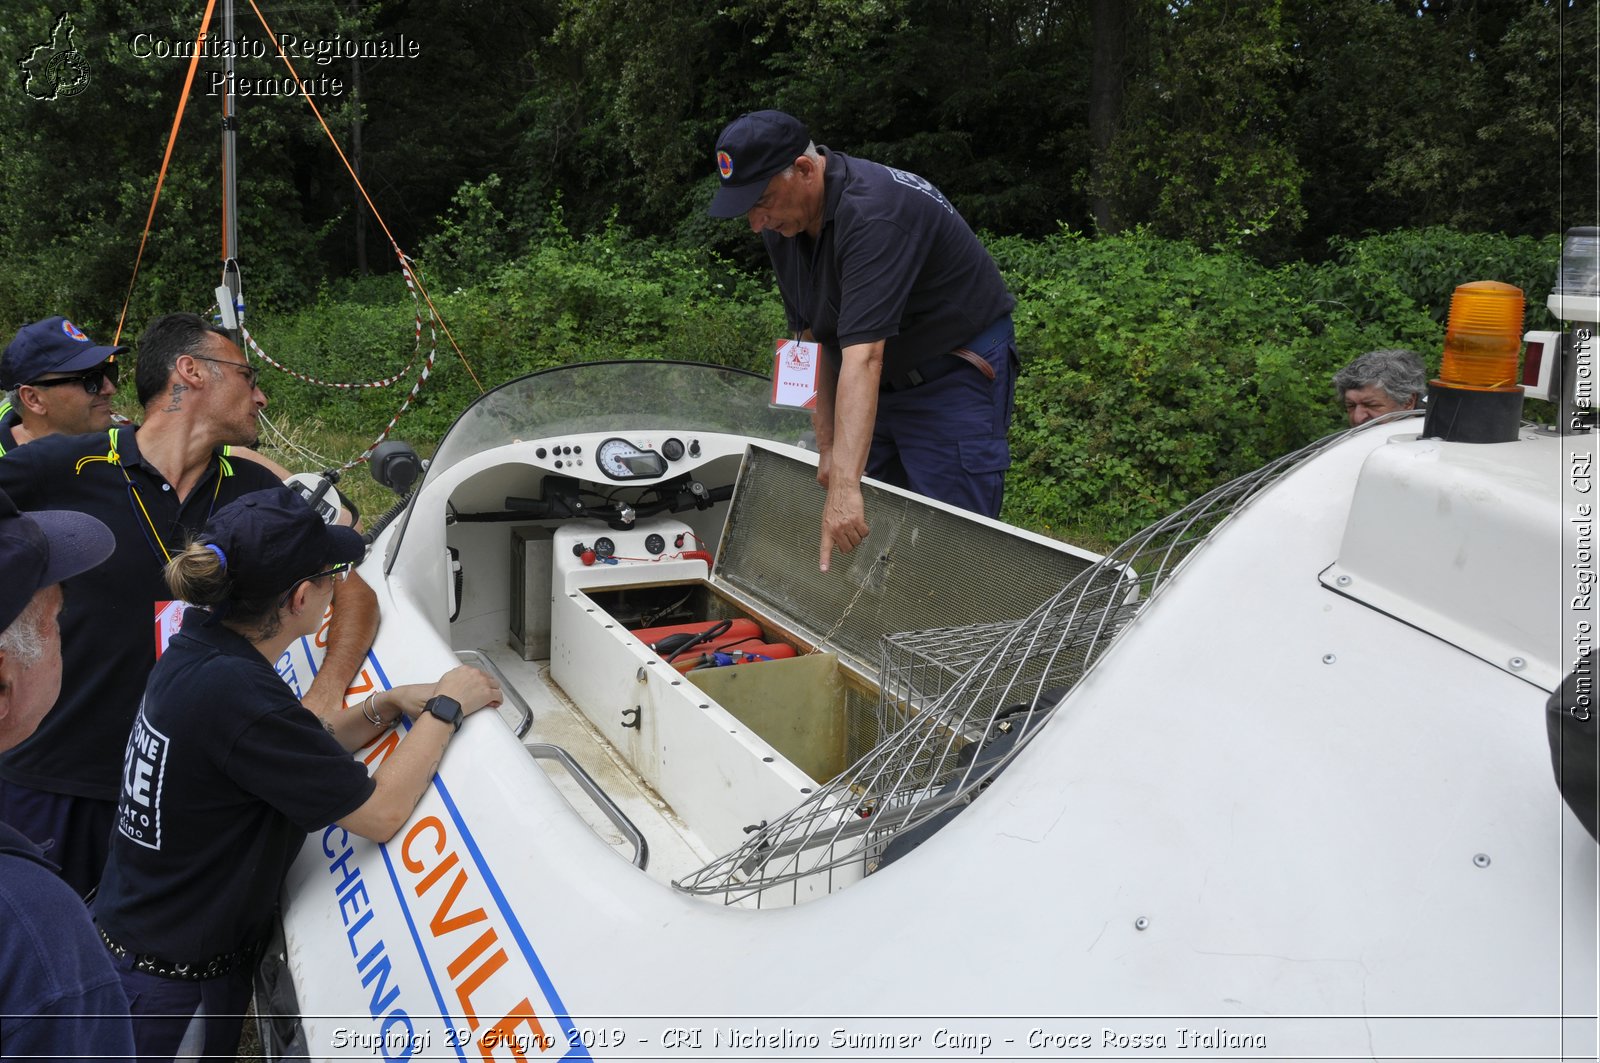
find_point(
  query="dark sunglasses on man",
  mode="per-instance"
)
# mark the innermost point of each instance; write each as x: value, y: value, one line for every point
x: 89, y: 379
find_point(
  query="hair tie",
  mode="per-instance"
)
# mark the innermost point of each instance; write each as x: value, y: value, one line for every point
x: 215, y: 549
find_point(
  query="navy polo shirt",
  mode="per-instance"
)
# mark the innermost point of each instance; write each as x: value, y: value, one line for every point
x: 225, y: 775
x: 894, y: 262
x: 60, y: 998
x: 108, y: 619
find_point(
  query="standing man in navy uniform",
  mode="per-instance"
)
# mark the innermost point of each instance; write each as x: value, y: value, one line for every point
x: 60, y: 998
x: 154, y: 487
x: 916, y: 384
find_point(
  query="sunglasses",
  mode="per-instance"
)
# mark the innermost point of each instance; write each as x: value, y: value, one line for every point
x: 251, y: 373
x: 89, y: 379
x: 339, y: 573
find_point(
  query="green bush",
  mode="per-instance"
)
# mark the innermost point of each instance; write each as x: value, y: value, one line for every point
x: 1152, y: 370
x: 1391, y: 276
x: 568, y: 299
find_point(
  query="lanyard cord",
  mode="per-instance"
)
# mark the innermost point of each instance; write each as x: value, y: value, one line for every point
x: 154, y: 538
x: 136, y: 498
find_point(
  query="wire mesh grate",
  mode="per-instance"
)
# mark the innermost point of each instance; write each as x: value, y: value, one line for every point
x: 956, y: 705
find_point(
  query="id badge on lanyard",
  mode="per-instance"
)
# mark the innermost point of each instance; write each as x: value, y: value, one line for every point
x: 169, y: 618
x: 794, y: 374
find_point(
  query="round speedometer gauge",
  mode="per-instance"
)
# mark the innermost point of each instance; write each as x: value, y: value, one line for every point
x: 621, y: 460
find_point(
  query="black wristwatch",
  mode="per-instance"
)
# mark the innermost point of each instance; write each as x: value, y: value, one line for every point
x: 446, y: 709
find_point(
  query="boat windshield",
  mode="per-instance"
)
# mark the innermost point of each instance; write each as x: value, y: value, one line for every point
x: 619, y: 397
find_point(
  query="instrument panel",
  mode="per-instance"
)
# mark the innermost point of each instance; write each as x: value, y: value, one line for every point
x: 619, y: 459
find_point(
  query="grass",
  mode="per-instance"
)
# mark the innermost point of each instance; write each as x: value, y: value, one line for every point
x: 305, y: 446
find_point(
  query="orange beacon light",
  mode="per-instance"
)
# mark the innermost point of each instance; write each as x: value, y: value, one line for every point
x: 1477, y: 397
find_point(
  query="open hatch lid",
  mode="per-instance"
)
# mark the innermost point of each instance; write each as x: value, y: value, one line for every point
x: 924, y: 565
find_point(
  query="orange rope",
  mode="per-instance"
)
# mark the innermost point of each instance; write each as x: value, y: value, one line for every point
x: 362, y: 188
x: 172, y: 139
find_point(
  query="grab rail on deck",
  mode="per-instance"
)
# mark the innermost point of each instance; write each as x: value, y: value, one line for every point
x: 546, y: 751
x: 479, y: 659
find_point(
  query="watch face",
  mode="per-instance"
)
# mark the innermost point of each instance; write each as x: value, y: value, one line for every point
x: 446, y: 709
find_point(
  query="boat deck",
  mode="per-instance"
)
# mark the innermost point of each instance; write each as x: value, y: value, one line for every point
x: 674, y: 850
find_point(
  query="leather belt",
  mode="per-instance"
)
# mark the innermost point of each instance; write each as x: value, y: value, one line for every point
x: 215, y: 967
x: 944, y: 364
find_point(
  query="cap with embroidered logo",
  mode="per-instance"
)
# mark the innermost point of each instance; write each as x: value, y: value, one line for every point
x: 54, y: 345
x: 752, y: 150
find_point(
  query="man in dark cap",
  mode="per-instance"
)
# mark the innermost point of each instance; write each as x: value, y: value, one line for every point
x: 57, y: 380
x: 60, y: 998
x: 916, y: 384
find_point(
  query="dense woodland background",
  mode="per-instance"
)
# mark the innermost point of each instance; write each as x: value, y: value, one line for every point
x: 1204, y: 207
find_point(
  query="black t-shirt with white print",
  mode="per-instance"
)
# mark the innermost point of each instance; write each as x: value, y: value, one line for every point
x: 226, y: 772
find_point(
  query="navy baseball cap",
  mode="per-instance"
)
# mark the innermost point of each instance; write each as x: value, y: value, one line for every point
x: 271, y: 540
x: 752, y: 150
x: 54, y: 345
x: 44, y: 547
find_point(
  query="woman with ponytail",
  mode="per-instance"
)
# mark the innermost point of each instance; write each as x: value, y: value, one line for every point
x: 226, y: 772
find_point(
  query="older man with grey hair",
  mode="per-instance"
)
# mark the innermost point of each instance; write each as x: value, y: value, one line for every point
x: 1380, y: 382
x: 59, y: 995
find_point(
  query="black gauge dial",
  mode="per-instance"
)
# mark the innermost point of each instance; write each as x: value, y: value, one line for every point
x: 654, y: 544
x: 604, y: 547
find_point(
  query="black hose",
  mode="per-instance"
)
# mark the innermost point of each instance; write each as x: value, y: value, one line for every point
x: 701, y: 637
x: 386, y: 519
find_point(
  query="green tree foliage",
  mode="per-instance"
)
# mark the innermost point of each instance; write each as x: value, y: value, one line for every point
x: 1262, y: 125
x: 446, y: 118
x: 1468, y: 114
x: 987, y: 99
x: 1204, y: 152
x: 1298, y: 181
x: 624, y: 103
x: 1153, y: 370
x: 78, y: 174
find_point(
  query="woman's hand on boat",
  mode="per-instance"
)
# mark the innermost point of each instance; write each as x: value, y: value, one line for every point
x: 473, y: 688
x: 403, y: 777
